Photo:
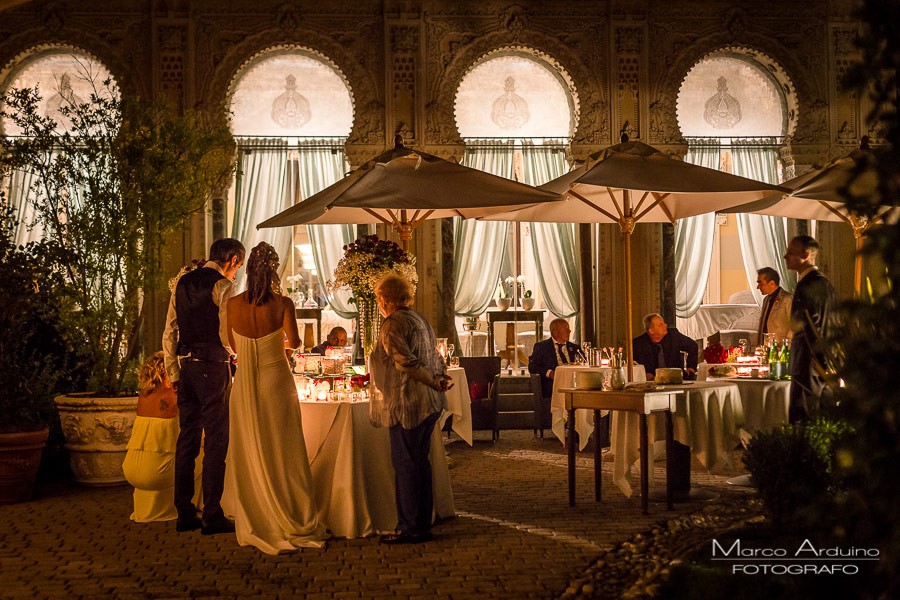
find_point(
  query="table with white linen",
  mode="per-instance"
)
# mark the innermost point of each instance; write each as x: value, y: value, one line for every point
x: 711, y: 318
x: 564, y: 377
x: 707, y: 417
x: 459, y: 405
x: 353, y: 478
x: 765, y: 402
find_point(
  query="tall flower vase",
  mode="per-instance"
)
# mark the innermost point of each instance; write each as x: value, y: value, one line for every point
x: 368, y: 324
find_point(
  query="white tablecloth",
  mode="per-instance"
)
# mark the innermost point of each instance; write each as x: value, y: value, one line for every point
x: 765, y: 402
x: 459, y: 404
x: 707, y: 418
x: 711, y: 318
x: 564, y: 377
x: 474, y: 343
x: 352, y: 472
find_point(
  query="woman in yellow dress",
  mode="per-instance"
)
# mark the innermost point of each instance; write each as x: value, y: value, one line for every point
x: 150, y: 462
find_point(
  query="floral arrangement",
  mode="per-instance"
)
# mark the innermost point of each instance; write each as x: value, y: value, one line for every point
x: 294, y: 282
x: 195, y: 264
x: 506, y: 287
x: 366, y: 261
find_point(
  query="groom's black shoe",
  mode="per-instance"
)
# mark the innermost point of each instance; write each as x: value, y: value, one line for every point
x: 214, y: 526
x: 188, y: 523
x: 405, y: 537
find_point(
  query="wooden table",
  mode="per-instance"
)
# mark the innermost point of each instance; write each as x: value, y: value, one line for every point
x: 640, y: 402
x: 514, y: 316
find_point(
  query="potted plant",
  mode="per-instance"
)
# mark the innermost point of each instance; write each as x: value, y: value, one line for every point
x: 32, y: 358
x: 504, y: 301
x: 113, y: 178
x: 527, y: 300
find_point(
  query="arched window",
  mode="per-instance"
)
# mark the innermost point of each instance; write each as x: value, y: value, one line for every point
x: 292, y: 111
x: 516, y: 109
x: 734, y: 109
x: 61, y: 75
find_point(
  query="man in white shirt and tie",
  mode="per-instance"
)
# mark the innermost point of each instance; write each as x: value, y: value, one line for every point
x: 775, y: 314
x: 550, y: 353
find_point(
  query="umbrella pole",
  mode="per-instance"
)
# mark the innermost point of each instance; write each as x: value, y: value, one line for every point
x: 629, y: 350
x: 857, y: 266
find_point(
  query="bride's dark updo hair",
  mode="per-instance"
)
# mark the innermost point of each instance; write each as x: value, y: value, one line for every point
x: 263, y: 282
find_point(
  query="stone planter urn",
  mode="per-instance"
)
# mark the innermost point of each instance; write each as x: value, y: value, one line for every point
x: 97, y: 431
x: 503, y: 303
x: 528, y: 303
x: 20, y: 457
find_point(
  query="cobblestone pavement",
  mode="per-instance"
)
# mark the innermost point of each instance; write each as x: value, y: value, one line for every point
x: 514, y: 537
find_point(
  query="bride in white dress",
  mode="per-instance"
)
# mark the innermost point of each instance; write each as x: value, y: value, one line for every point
x: 268, y: 485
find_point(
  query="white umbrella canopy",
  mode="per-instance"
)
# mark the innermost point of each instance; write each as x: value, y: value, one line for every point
x: 403, y: 187
x: 821, y: 195
x: 632, y: 182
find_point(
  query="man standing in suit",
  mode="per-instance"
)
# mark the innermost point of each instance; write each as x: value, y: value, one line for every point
x: 660, y: 347
x: 552, y: 352
x: 811, y: 304
x: 198, y: 364
x: 775, y: 314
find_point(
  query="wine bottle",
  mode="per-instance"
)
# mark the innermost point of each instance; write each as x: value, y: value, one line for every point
x: 784, y: 358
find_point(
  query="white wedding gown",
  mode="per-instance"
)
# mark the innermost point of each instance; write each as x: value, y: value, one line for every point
x: 268, y: 485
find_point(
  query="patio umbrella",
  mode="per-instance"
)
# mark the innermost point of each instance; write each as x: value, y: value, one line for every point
x: 820, y: 195
x: 632, y: 182
x: 403, y: 187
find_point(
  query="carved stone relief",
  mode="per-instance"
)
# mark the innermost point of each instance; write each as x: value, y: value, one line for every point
x: 845, y: 101
x: 404, y: 61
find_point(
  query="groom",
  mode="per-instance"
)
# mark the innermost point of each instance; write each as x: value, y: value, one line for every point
x: 198, y: 365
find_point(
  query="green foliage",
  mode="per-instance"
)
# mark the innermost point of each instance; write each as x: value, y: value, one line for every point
x: 791, y: 466
x: 868, y: 331
x: 33, y: 350
x: 112, y: 180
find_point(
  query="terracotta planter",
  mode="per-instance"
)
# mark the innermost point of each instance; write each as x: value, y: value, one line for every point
x: 503, y: 303
x: 20, y: 457
x: 97, y: 431
x: 527, y: 303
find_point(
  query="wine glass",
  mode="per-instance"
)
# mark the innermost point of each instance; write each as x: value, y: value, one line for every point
x: 450, y: 349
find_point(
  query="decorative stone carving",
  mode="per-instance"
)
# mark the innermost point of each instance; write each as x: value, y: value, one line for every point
x: 289, y: 19
x: 97, y: 431
x: 722, y: 110
x: 510, y: 111
x: 291, y: 108
x: 53, y: 16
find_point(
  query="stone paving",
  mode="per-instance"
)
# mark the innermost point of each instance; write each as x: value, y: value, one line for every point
x: 514, y: 537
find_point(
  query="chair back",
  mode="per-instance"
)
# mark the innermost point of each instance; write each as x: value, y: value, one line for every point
x: 480, y: 373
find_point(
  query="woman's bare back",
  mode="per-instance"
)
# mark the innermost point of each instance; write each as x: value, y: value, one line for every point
x: 257, y: 321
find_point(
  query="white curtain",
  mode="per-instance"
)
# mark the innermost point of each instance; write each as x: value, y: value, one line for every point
x: 556, y: 253
x: 694, y: 240
x: 763, y: 238
x: 319, y: 165
x: 479, y: 246
x: 262, y: 190
x: 18, y: 192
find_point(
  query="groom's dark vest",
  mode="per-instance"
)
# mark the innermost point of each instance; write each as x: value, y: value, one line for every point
x: 198, y: 316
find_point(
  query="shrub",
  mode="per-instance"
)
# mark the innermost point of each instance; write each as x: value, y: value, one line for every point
x: 792, y: 466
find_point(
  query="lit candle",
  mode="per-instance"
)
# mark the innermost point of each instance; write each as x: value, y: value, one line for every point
x: 604, y: 362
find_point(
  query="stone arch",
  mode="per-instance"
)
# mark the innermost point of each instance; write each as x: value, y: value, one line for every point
x: 37, y: 50
x: 280, y: 49
x: 790, y: 76
x: 557, y: 70
x: 592, y: 100
x: 368, y: 121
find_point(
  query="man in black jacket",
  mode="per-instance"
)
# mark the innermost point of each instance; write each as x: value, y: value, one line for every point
x: 552, y: 352
x: 661, y: 347
x: 813, y: 299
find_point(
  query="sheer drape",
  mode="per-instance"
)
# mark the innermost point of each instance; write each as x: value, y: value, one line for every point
x: 18, y: 193
x: 763, y: 238
x: 320, y: 165
x: 556, y: 255
x: 479, y: 245
x: 262, y: 190
x: 694, y: 240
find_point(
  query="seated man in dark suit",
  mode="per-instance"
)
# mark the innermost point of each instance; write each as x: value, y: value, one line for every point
x: 336, y: 337
x: 661, y: 347
x: 550, y: 353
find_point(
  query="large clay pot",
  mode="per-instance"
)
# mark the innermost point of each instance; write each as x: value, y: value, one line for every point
x: 528, y: 303
x: 503, y: 303
x: 97, y: 431
x: 20, y: 457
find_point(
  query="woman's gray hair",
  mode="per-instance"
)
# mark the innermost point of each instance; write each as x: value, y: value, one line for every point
x: 394, y: 289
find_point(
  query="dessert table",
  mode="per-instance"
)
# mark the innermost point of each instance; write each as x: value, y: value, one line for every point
x: 564, y: 377
x: 352, y: 472
x: 459, y: 405
x: 765, y: 402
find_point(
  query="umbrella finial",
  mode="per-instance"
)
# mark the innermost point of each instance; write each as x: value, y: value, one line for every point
x: 624, y: 137
x: 864, y: 142
x: 398, y: 139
